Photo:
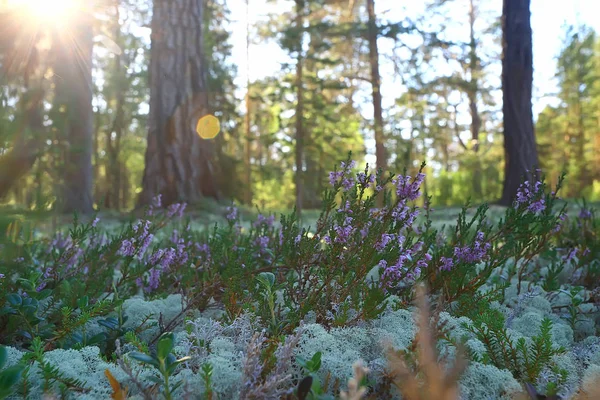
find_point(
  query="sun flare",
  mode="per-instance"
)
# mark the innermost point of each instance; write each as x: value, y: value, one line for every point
x: 57, y: 12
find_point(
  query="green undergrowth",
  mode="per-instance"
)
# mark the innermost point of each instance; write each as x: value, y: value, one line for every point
x: 224, y: 303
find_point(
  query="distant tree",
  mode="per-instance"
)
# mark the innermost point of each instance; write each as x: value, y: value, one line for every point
x: 21, y: 65
x: 72, y: 55
x: 179, y: 164
x: 372, y: 35
x: 299, y: 25
x: 520, y: 151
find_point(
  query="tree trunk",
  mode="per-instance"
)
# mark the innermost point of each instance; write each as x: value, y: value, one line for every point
x: 517, y: 77
x: 376, y: 87
x: 179, y: 164
x: 247, y: 119
x: 299, y: 107
x: 28, y: 144
x: 19, y: 161
x: 474, y: 67
x: 73, y: 95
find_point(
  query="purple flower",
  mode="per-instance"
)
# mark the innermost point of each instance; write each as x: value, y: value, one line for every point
x: 570, y: 255
x: 262, y: 220
x: 343, y: 176
x: 585, y: 214
x: 365, y: 180
x: 176, y: 208
x: 475, y: 253
x: 127, y: 248
x: 365, y: 229
x: 153, y: 279
x: 157, y: 201
x: 527, y: 195
x: 2, y: 276
x: 585, y: 252
x: 232, y: 214
x: 447, y: 263
x: 537, y: 206
x: 343, y: 233
x: 262, y: 242
x: 405, y: 189
x: 383, y: 242
x: 95, y: 222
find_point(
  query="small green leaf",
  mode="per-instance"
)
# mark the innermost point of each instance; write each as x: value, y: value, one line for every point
x: 155, y: 379
x: 3, y: 356
x: 10, y: 376
x: 14, y: 299
x: 144, y: 358
x: 26, y: 284
x: 316, y: 361
x: 165, y: 345
x: 267, y: 279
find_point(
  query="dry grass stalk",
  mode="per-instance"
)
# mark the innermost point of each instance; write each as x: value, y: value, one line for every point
x: 355, y: 391
x: 435, y: 383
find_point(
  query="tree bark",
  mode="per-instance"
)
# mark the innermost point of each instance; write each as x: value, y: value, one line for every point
x: 520, y: 150
x: 299, y: 107
x: 179, y: 164
x: 73, y: 99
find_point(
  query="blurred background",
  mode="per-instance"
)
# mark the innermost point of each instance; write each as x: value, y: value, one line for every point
x: 99, y: 100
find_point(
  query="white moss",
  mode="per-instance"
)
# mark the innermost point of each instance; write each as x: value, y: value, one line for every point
x: 487, y: 382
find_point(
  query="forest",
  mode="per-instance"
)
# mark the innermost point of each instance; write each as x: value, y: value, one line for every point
x: 298, y: 199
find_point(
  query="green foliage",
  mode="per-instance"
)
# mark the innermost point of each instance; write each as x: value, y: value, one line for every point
x: 315, y: 390
x: 164, y: 361
x: 526, y: 360
x: 8, y: 376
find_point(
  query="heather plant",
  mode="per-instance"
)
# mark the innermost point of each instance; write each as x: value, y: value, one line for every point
x: 188, y: 304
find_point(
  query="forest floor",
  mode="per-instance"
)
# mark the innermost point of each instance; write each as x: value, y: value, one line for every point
x: 208, y: 213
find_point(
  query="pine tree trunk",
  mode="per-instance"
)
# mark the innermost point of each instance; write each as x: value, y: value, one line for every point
x: 179, y: 164
x: 376, y: 87
x: 73, y: 94
x: 299, y: 108
x: 247, y: 119
x: 520, y: 151
x: 474, y: 67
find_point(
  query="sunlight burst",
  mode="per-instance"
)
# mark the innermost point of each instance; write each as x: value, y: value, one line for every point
x: 46, y: 11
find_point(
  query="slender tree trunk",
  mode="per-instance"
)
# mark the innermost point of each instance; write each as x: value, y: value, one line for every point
x: 125, y: 188
x: 520, y: 151
x: 373, y: 33
x: 119, y: 122
x: 20, y: 160
x: 311, y: 198
x: 99, y: 187
x: 248, y: 149
x: 179, y: 164
x: 299, y: 107
x: 474, y: 67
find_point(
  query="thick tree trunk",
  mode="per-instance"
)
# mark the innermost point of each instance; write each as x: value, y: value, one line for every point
x: 179, y: 164
x: 73, y: 96
x: 520, y: 150
x: 299, y: 107
x: 376, y: 87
